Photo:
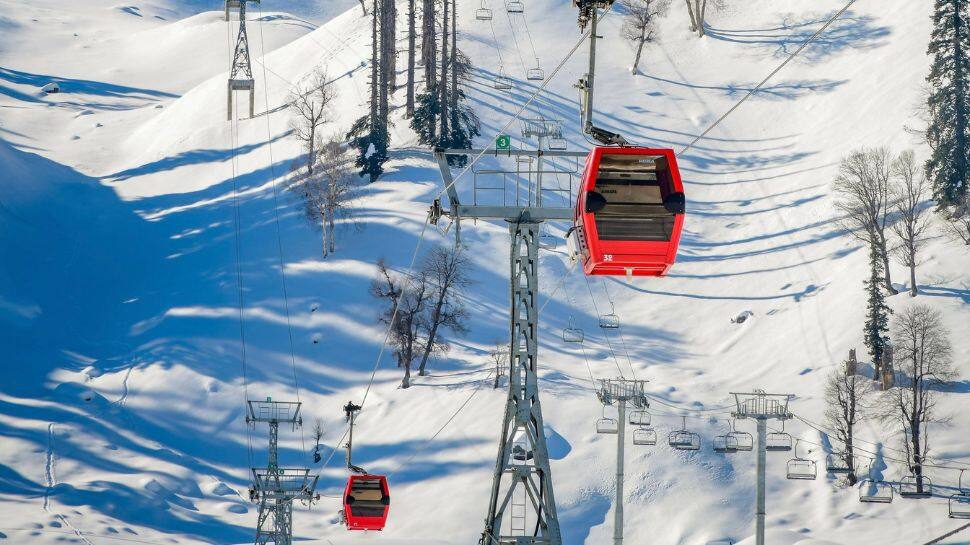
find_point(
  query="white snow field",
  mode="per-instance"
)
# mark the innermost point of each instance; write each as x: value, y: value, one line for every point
x: 121, y: 404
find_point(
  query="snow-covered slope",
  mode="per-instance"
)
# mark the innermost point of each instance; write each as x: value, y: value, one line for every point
x: 122, y: 412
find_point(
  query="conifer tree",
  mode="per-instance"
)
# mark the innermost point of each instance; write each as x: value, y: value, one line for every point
x: 877, y: 312
x: 948, y: 133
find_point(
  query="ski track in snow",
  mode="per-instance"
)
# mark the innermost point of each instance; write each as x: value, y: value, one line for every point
x: 51, y: 476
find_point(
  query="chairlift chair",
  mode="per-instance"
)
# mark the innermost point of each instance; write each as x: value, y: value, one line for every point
x: 645, y: 436
x: 743, y: 439
x: 572, y: 334
x: 483, y: 14
x: 557, y: 144
x: 778, y: 441
x: 875, y: 490
x: 639, y: 417
x: 611, y: 320
x: 502, y: 81
x: 535, y: 74
x: 725, y: 444
x: 514, y: 6
x: 835, y: 464
x: 801, y: 468
x: 959, y: 503
x: 911, y: 487
x: 607, y: 425
x: 683, y: 439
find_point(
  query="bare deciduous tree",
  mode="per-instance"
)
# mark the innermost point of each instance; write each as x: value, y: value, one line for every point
x: 404, y: 313
x: 447, y: 272
x: 317, y: 436
x: 311, y: 103
x: 328, y: 191
x: 845, y: 399
x: 863, y: 185
x: 910, y: 191
x: 923, y: 352
x: 499, y: 355
x: 640, y: 24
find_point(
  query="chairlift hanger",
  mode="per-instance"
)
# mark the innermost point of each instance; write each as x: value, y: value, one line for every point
x: 483, y: 13
x: 745, y: 441
x: 683, y: 439
x: 916, y: 488
x: 572, y: 334
x: 835, y: 464
x: 514, y: 6
x: 645, y: 436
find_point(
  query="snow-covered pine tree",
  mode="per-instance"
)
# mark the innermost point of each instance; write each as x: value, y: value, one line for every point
x: 369, y: 134
x: 948, y: 133
x: 877, y: 312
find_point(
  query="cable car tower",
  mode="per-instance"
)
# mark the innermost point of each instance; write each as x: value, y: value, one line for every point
x: 276, y: 487
x: 762, y: 407
x: 522, y: 506
x: 622, y: 391
x: 241, y: 72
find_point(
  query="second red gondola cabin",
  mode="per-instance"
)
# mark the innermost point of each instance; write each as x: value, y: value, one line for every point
x: 630, y: 211
x: 367, y: 502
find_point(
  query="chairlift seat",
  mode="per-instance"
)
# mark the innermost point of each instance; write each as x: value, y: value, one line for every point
x: 483, y: 14
x: 835, y: 464
x: 684, y: 440
x: 535, y: 74
x: 573, y: 335
x: 909, y: 487
x: 959, y: 505
x: 745, y: 441
x: 872, y: 491
x: 557, y: 144
x: 725, y: 444
x: 645, y: 436
x: 639, y: 418
x: 802, y: 469
x: 502, y: 83
x: 609, y: 321
x: 514, y: 6
x: 778, y: 442
x: 607, y: 425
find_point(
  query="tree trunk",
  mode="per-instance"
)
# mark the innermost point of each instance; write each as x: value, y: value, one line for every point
x: 331, y: 237
x: 693, y: 20
x: 636, y: 60
x: 702, y: 11
x: 848, y: 458
x: 912, y: 273
x: 885, y: 265
x: 310, y: 149
x: 392, y: 45
x: 443, y: 86
x: 406, y: 381
x: 323, y: 231
x: 409, y: 105
x: 363, y: 7
x: 454, y: 57
x: 435, y: 317
x: 374, y: 65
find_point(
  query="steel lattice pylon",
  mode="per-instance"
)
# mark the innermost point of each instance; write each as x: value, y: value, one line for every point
x: 241, y: 72
x: 522, y: 506
x: 276, y: 487
x: 523, y: 456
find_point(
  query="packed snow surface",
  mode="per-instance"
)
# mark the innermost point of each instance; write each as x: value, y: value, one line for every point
x: 121, y: 408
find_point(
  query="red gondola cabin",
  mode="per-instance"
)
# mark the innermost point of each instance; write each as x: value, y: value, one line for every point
x: 630, y: 211
x: 366, y: 502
